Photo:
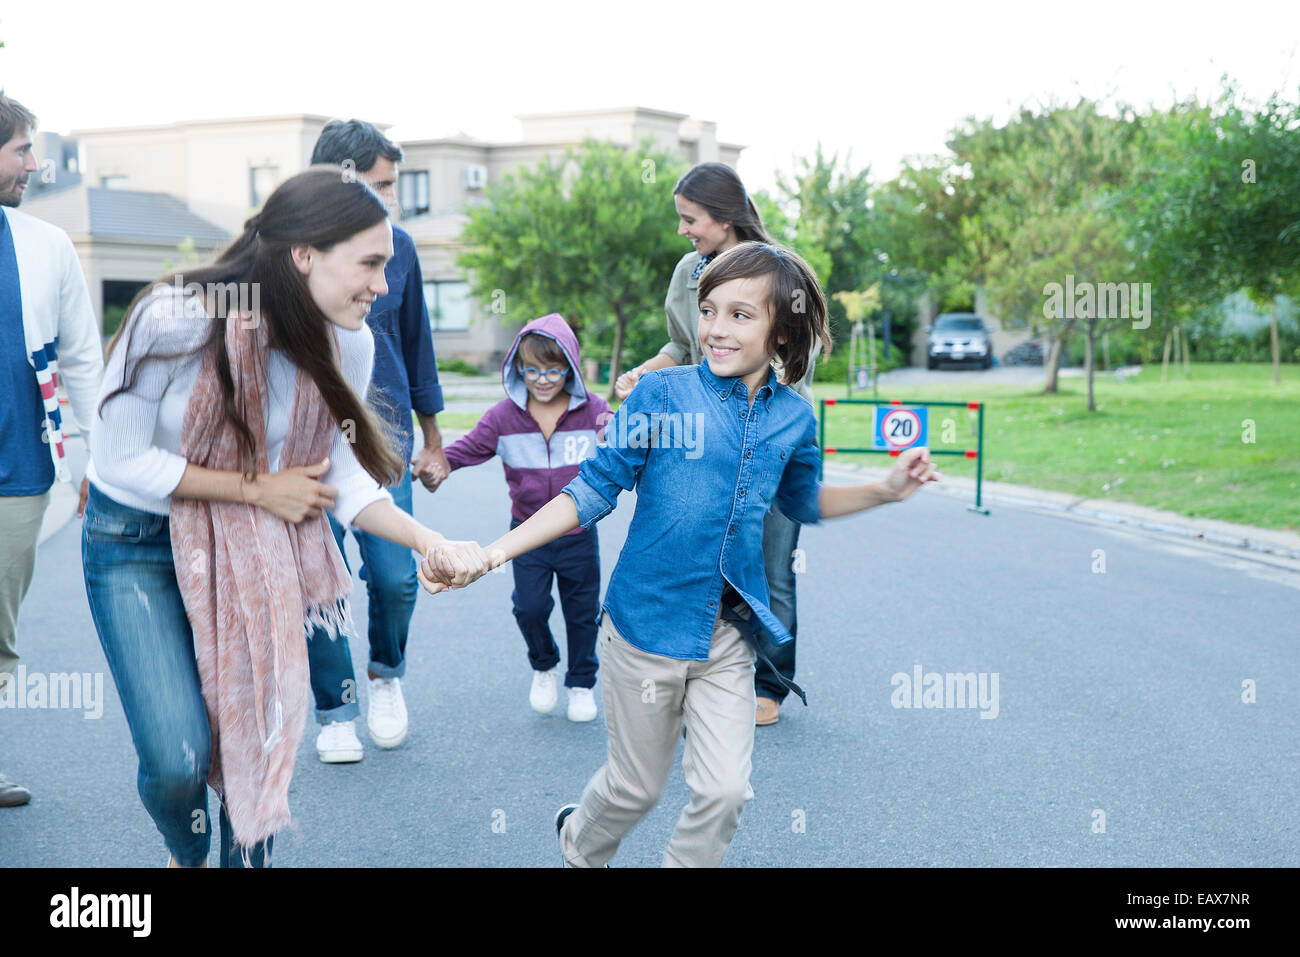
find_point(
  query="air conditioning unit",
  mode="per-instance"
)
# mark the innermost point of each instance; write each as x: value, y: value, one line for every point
x: 474, y: 176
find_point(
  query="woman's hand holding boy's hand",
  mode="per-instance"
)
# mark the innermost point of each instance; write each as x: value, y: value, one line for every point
x: 913, y: 470
x: 453, y: 565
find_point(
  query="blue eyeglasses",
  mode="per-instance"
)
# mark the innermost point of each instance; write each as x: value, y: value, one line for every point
x: 532, y: 374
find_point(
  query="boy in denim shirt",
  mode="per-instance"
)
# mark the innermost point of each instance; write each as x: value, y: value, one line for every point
x: 689, y: 586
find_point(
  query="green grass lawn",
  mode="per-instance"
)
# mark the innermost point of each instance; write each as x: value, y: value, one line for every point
x: 1176, y: 446
x: 455, y: 420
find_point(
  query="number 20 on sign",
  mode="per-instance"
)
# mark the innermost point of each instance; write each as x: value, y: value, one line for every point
x: 895, y: 428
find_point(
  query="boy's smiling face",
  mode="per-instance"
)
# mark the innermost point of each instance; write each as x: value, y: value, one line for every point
x: 735, y: 321
x: 544, y: 389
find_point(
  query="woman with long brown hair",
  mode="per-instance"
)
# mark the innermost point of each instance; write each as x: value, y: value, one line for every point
x: 231, y: 422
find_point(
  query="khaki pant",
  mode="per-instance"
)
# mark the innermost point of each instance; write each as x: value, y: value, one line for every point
x: 20, y: 526
x: 648, y: 698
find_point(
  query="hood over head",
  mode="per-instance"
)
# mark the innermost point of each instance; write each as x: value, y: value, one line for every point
x: 554, y: 327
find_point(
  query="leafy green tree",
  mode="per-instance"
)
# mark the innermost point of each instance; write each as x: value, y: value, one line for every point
x: 782, y: 227
x: 591, y: 236
x: 824, y: 211
x: 1038, y: 185
x: 1216, y: 204
x: 918, y: 219
x: 826, y: 217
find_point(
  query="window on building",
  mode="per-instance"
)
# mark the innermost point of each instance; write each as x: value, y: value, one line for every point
x: 261, y: 183
x: 113, y: 182
x: 448, y: 305
x: 413, y: 192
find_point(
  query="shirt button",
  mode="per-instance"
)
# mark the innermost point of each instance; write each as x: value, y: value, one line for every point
x: 732, y: 530
x: 749, y: 453
x: 741, y: 493
x: 743, y: 413
x: 713, y: 604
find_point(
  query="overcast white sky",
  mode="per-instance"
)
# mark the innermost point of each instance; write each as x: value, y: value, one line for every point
x: 882, y: 80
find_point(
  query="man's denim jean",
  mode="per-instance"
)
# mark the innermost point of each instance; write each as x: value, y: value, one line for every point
x: 391, y: 588
x: 780, y: 539
x: 137, y: 609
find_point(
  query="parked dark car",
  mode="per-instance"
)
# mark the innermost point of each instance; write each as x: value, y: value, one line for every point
x: 959, y: 337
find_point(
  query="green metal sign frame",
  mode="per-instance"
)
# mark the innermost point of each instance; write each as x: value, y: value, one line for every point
x: 976, y: 453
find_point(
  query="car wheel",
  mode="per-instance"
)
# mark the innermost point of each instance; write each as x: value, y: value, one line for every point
x: 932, y: 363
x: 988, y: 361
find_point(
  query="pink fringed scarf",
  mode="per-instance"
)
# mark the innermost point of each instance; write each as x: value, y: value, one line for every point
x: 254, y: 586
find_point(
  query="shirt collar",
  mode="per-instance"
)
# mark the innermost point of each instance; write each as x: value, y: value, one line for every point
x: 699, y: 266
x: 724, y: 388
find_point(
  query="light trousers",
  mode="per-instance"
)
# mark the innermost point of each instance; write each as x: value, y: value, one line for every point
x: 20, y: 526
x: 649, y: 699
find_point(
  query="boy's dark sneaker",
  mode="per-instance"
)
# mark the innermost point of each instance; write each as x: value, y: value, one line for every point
x: 561, y: 816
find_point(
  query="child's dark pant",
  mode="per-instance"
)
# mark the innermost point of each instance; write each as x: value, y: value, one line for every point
x: 574, y: 562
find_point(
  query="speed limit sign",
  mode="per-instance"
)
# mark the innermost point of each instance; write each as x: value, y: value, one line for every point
x: 899, y: 428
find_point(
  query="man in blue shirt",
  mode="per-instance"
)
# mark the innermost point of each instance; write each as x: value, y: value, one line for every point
x: 47, y: 327
x: 405, y: 380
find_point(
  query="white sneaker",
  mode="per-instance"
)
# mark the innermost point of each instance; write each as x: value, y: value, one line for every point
x: 582, y: 705
x: 338, y: 743
x: 544, y: 694
x: 386, y: 718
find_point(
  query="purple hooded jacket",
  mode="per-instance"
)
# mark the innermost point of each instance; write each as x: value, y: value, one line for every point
x: 536, y: 469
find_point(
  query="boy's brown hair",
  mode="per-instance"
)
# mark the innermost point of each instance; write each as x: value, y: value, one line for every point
x: 542, y: 351
x: 794, y: 297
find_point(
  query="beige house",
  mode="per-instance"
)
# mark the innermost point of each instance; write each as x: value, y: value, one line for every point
x: 203, y: 178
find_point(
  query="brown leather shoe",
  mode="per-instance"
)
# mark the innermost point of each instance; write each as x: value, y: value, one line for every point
x: 767, y: 712
x: 13, y: 795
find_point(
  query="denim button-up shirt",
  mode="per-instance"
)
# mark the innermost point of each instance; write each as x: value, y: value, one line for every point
x: 706, y: 466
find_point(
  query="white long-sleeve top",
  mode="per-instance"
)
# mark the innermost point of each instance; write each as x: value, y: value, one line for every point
x: 135, y: 447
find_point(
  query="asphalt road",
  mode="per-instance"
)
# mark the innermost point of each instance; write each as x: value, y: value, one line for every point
x: 1118, y: 692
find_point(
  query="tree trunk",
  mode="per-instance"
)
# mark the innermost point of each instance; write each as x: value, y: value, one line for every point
x: 1053, y: 366
x: 1272, y: 335
x: 1187, y: 354
x: 1164, y: 363
x: 616, y: 360
x: 1089, y: 354
x: 1105, y: 352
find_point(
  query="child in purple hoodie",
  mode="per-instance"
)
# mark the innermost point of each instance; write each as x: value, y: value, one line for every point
x: 543, y: 430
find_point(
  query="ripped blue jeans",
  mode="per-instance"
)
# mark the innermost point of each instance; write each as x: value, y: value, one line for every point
x: 137, y: 609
